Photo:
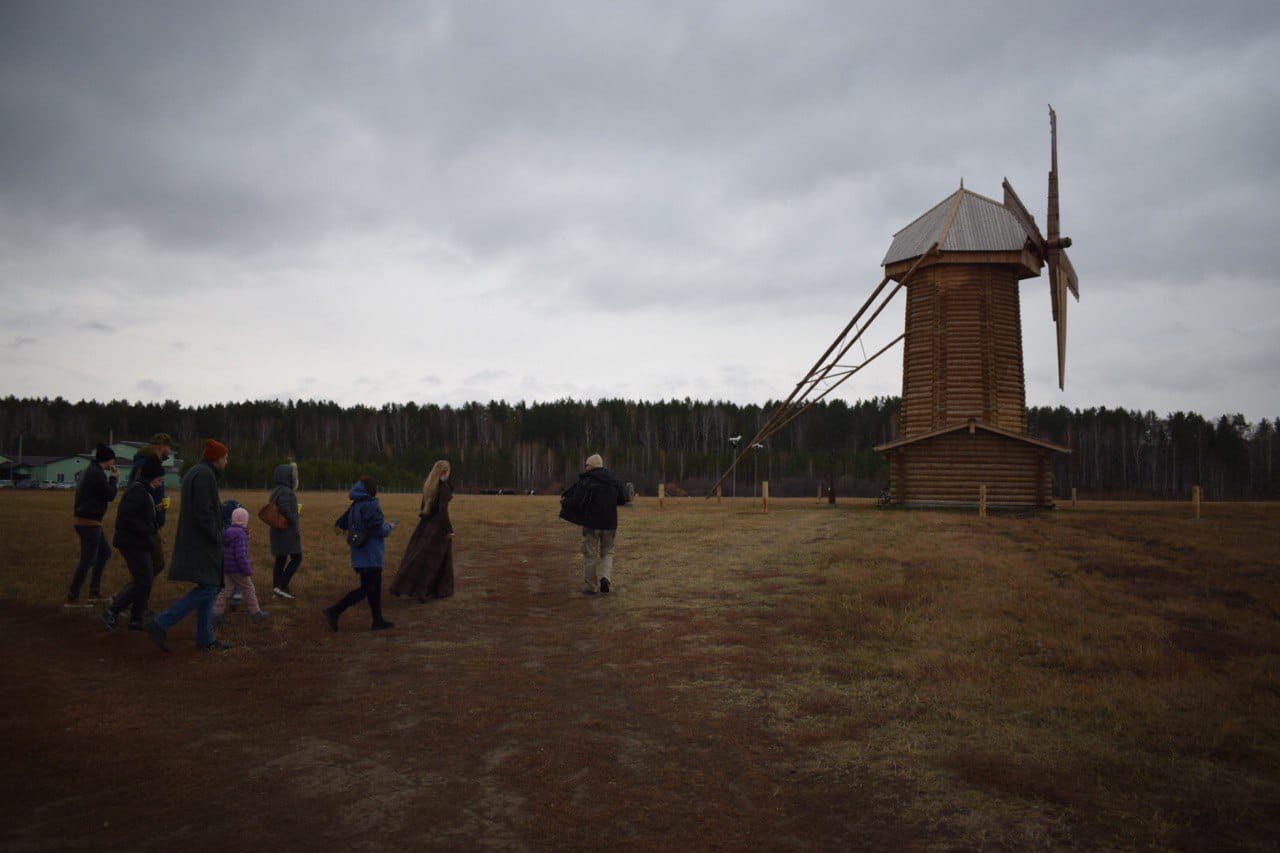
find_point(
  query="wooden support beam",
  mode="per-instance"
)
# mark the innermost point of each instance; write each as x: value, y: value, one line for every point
x: 982, y: 501
x: 764, y: 487
x: 662, y: 494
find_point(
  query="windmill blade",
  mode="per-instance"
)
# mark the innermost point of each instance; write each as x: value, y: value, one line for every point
x: 1073, y: 283
x: 1060, y: 304
x: 1052, y: 217
x: 1020, y: 212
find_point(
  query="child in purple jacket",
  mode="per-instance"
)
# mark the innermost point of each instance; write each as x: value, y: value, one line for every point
x: 237, y: 567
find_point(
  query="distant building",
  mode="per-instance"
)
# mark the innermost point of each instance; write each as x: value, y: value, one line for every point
x: 50, y: 469
x: 66, y: 470
x: 127, y: 450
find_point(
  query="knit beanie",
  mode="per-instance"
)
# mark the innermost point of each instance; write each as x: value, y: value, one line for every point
x: 240, y: 517
x: 103, y: 454
x: 151, y: 468
x: 595, y: 460
x: 214, y: 450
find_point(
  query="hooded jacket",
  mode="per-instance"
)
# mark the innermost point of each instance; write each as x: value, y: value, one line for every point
x: 136, y: 519
x: 289, y: 540
x: 366, y: 515
x: 135, y: 472
x: 599, y: 496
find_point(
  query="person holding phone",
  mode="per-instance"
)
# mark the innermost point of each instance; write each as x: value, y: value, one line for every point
x: 368, y: 556
x: 97, y: 488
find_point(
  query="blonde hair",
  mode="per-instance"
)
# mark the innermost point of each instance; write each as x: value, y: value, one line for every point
x: 431, y: 487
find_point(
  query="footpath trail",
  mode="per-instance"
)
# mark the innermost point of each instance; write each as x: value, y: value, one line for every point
x: 518, y: 715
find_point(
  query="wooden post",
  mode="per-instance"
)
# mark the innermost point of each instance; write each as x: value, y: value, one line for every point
x: 719, y: 493
x: 765, y: 492
x: 662, y: 494
x: 1073, y: 497
x: 982, y: 501
x: 819, y: 494
x: 1196, y: 492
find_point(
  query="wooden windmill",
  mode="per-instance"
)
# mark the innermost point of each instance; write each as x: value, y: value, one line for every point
x: 964, y: 416
x: 964, y: 413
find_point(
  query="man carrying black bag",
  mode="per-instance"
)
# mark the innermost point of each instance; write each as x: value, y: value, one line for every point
x: 593, y: 503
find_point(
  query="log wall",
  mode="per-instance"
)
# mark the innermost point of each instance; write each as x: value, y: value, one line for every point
x: 962, y: 356
x: 949, y: 468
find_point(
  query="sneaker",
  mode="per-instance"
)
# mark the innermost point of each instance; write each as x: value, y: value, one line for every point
x: 331, y: 618
x: 382, y: 626
x: 283, y: 593
x: 109, y: 619
x: 588, y: 589
x: 96, y: 595
x: 216, y: 646
x: 75, y: 602
x: 604, y: 585
x: 159, y: 636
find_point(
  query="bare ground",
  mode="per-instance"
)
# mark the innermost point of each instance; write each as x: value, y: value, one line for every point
x: 520, y: 714
x: 812, y: 679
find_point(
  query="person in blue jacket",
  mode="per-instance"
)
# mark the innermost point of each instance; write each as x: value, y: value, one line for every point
x: 368, y: 557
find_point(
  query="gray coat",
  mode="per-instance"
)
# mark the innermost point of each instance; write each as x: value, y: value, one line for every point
x: 197, y: 546
x: 289, y: 540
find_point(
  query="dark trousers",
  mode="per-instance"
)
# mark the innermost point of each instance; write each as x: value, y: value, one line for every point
x: 94, y: 551
x: 138, y: 592
x: 282, y: 574
x: 370, y: 588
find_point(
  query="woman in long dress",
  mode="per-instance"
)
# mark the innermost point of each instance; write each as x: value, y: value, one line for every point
x: 426, y: 570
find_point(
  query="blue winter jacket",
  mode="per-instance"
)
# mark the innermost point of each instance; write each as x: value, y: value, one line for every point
x: 366, y: 515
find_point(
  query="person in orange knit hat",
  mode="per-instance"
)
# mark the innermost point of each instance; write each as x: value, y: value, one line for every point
x: 197, y: 550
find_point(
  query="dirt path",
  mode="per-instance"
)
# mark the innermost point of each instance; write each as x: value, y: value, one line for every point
x: 518, y: 715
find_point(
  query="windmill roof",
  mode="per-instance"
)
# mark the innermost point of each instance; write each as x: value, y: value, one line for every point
x: 962, y: 222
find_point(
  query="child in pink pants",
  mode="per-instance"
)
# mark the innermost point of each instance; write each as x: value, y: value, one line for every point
x: 237, y: 567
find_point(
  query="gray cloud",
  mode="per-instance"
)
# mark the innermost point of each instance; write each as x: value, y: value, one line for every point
x: 623, y: 161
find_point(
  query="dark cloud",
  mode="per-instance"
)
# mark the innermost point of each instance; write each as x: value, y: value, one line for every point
x: 618, y: 158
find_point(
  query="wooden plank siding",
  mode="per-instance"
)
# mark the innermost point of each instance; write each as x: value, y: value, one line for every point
x: 962, y: 355
x: 949, y: 468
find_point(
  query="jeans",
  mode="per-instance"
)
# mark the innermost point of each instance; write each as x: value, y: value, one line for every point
x: 282, y: 574
x: 94, y: 551
x: 603, y: 541
x: 135, y: 595
x: 370, y: 588
x: 200, y: 600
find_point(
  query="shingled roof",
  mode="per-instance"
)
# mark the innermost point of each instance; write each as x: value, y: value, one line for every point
x: 962, y: 222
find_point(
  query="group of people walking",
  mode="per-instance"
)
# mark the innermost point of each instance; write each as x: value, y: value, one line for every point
x: 213, y: 554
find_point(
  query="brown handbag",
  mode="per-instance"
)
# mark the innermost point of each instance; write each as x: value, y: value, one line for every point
x: 272, y: 515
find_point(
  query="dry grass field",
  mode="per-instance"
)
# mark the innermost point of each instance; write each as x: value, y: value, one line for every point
x: 815, y: 678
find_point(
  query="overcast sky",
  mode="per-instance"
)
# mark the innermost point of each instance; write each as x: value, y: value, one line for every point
x: 441, y: 202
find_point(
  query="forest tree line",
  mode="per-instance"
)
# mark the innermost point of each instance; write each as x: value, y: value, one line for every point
x: 541, y: 446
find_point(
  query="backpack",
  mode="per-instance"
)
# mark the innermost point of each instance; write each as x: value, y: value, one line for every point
x: 575, y: 500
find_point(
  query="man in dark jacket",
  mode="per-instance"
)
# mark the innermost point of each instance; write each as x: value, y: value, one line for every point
x: 135, y: 537
x: 197, y: 550
x: 97, y: 488
x: 160, y: 448
x: 593, y: 502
